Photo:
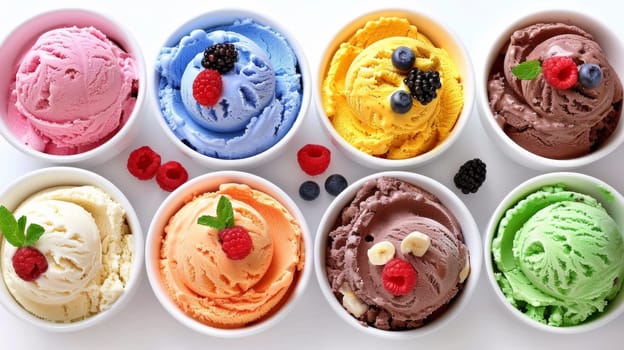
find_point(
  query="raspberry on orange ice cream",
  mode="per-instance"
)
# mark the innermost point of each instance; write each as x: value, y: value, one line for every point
x: 212, y: 274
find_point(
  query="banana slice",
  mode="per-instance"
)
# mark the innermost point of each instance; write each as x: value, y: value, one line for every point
x: 351, y: 302
x: 463, y: 274
x: 380, y: 253
x: 416, y: 243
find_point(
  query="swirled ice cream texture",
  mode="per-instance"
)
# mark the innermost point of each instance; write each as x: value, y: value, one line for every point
x: 360, y: 79
x: 261, y: 96
x: 216, y: 290
x: 387, y: 210
x: 88, y: 246
x: 558, y: 124
x: 74, y: 89
x: 559, y: 256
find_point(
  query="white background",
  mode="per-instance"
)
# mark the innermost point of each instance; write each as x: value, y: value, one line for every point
x: 144, y: 324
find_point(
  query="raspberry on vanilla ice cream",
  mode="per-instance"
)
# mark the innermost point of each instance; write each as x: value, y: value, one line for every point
x: 87, y: 245
x: 573, y: 102
x: 396, y: 258
x: 230, y: 257
x: 73, y: 90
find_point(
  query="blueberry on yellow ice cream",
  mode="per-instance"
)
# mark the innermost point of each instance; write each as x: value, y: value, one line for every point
x: 370, y: 77
x: 229, y: 258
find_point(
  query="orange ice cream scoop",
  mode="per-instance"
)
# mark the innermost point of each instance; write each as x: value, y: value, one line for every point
x: 219, y: 291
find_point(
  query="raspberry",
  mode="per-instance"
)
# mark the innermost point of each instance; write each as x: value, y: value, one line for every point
x: 313, y: 159
x: 560, y: 72
x: 143, y: 163
x: 235, y: 242
x: 398, y: 276
x: 207, y: 87
x: 29, y: 263
x: 470, y: 176
x: 171, y: 175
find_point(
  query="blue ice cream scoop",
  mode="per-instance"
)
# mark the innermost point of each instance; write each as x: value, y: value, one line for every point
x: 261, y: 96
x: 247, y: 89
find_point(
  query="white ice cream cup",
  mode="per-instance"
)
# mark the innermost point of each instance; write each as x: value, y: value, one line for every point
x: 22, y: 37
x: 608, y: 197
x: 448, y: 199
x: 442, y: 36
x: 38, y: 180
x: 227, y: 17
x: 210, y: 182
x: 603, y: 35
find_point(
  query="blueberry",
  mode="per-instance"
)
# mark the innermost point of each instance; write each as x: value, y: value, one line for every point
x: 403, y: 58
x: 334, y: 184
x: 590, y: 75
x: 309, y: 190
x: 400, y: 101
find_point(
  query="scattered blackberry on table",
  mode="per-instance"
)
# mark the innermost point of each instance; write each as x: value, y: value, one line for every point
x: 423, y: 85
x: 470, y: 176
x: 220, y: 57
x: 309, y: 190
x: 334, y: 184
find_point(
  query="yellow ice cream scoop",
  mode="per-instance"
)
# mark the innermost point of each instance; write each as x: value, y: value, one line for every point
x: 361, y: 79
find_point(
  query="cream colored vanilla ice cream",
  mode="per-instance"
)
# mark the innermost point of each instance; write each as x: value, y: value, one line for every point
x: 88, y: 246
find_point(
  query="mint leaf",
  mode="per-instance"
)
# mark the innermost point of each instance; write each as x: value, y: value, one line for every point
x: 224, y: 218
x: 225, y: 211
x: 33, y: 233
x: 21, y: 227
x: 13, y: 230
x: 8, y: 226
x: 212, y: 221
x: 527, y: 70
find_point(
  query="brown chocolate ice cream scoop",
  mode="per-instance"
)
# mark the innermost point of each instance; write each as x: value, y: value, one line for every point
x: 553, y: 123
x: 388, y: 210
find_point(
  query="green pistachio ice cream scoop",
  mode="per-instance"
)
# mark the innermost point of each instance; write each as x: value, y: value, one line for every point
x: 559, y: 256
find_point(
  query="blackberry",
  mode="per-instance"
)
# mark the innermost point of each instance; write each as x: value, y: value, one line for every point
x: 220, y: 57
x: 423, y: 85
x: 470, y: 176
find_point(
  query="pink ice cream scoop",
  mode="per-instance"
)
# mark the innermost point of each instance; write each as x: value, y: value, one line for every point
x: 73, y: 90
